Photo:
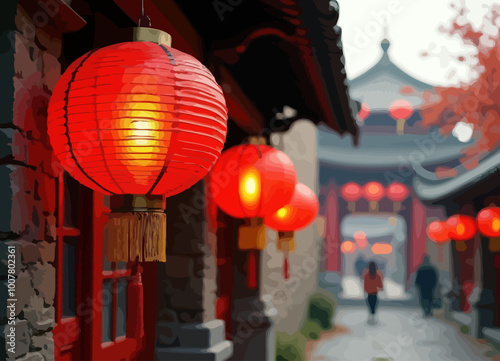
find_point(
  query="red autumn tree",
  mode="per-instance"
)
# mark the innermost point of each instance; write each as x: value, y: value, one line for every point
x: 477, y: 102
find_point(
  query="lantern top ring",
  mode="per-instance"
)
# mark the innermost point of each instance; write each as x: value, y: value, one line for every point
x: 153, y: 35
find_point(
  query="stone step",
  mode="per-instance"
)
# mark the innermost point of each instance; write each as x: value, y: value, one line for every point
x: 197, y: 335
x: 218, y: 352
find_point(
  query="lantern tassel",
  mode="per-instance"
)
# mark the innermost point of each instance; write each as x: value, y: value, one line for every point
x: 137, y: 236
x: 286, y: 267
x: 251, y: 270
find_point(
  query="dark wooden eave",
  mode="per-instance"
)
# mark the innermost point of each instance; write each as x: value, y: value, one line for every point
x: 280, y: 52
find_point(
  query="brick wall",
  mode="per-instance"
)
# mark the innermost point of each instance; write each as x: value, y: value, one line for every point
x: 29, y: 71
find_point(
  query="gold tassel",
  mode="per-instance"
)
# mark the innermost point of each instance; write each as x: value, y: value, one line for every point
x: 138, y: 235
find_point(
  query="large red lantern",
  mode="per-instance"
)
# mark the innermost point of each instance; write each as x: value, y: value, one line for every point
x: 137, y: 118
x: 462, y: 228
x: 439, y: 232
x: 142, y: 119
x: 373, y: 192
x: 351, y: 192
x: 488, y: 222
x: 401, y: 110
x: 397, y: 192
x: 298, y: 214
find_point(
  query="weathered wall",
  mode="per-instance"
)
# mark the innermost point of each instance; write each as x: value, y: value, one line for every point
x: 290, y: 297
x: 29, y: 70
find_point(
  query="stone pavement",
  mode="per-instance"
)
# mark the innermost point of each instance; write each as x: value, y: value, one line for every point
x: 400, y: 334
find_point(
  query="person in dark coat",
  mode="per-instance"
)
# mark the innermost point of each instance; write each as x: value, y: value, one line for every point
x: 426, y: 282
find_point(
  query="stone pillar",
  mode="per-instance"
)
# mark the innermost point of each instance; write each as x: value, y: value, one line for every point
x: 29, y: 69
x: 186, y: 324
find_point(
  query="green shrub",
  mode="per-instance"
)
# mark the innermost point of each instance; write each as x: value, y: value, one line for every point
x: 290, y: 347
x: 320, y: 311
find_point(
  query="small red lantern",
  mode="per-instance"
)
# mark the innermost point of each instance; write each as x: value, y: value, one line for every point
x: 397, y: 192
x: 298, y: 214
x: 364, y: 112
x: 361, y: 240
x: 251, y: 181
x: 488, y: 221
x: 348, y: 247
x: 351, y: 192
x: 439, y: 232
x: 401, y: 110
x: 462, y: 228
x: 373, y: 192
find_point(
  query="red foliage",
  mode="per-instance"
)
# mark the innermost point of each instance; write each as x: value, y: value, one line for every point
x: 475, y: 102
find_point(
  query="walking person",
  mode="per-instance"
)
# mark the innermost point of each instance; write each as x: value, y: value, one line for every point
x: 426, y: 282
x: 373, y: 284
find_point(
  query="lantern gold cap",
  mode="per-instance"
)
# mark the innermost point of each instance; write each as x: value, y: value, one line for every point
x: 153, y: 35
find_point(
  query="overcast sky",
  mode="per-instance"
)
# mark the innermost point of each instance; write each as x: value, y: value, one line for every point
x: 412, y: 29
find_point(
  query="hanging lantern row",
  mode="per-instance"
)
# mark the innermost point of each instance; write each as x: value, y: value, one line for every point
x: 400, y: 110
x: 137, y: 118
x: 262, y: 188
x: 462, y: 228
x: 374, y: 192
x: 260, y: 180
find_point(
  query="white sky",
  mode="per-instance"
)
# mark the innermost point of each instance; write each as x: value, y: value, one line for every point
x: 412, y: 28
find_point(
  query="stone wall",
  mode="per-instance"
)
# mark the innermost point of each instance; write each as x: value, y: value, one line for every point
x: 29, y: 71
x: 290, y: 297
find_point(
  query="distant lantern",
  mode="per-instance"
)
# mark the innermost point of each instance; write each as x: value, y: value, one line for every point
x: 439, y: 232
x: 462, y: 228
x: 361, y: 240
x: 298, y: 214
x: 250, y: 181
x: 397, y: 192
x: 348, y: 247
x: 363, y: 113
x: 381, y: 248
x: 401, y: 110
x: 351, y: 192
x: 373, y: 192
x: 137, y: 118
x: 488, y: 221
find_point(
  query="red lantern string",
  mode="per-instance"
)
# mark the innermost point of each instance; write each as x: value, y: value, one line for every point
x: 251, y: 270
x: 286, y: 271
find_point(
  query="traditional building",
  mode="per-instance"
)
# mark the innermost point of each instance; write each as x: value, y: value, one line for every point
x: 71, y: 302
x: 392, y: 234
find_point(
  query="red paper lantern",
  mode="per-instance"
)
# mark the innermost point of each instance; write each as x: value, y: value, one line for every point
x: 364, y: 112
x: 252, y: 181
x: 397, y: 192
x: 462, y: 228
x: 351, y: 192
x: 137, y: 118
x: 488, y: 221
x: 401, y: 110
x: 373, y: 191
x: 438, y: 231
x: 299, y: 213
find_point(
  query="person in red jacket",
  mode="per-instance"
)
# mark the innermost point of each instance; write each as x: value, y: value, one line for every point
x: 373, y: 284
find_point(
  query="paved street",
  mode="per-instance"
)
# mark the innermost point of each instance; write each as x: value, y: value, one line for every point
x: 401, y: 334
